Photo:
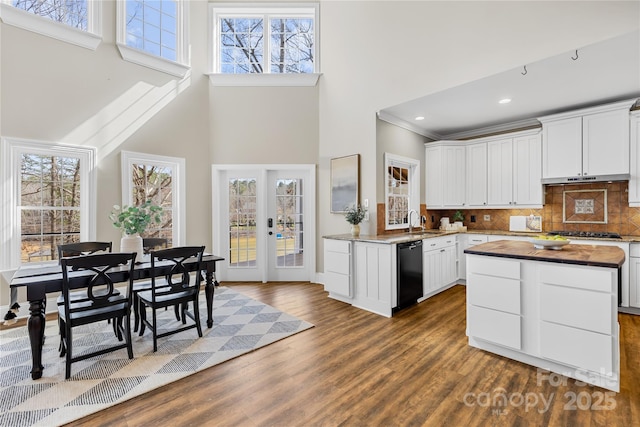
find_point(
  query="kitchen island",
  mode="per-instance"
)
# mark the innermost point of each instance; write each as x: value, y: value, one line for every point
x: 553, y: 309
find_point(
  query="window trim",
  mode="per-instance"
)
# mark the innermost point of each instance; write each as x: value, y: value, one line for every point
x: 179, y: 189
x: 12, y: 148
x: 178, y: 68
x: 414, y: 186
x: 89, y: 39
x: 265, y: 78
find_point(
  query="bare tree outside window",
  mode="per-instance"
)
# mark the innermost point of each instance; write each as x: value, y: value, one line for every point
x: 154, y: 183
x: 69, y: 12
x: 242, y: 45
x: 49, y: 205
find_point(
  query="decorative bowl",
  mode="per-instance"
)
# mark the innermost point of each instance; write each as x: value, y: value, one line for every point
x: 549, y: 244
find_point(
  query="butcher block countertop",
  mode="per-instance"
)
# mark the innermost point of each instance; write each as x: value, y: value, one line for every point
x: 598, y: 256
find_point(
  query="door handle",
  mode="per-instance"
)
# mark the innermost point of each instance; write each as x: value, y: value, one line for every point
x: 271, y: 233
x: 270, y: 222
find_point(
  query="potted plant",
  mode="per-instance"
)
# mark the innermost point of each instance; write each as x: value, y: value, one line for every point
x: 133, y: 221
x: 458, y: 217
x: 354, y: 216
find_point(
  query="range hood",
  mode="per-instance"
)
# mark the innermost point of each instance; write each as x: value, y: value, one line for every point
x: 587, y: 179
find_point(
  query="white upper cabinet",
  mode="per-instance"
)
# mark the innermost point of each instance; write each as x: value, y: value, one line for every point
x: 513, y: 171
x: 477, y: 174
x: 500, y: 172
x: 586, y: 143
x: 634, y: 180
x: 527, y: 171
x: 445, y: 174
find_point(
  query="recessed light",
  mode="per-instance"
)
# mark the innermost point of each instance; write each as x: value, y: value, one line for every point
x: 419, y: 118
x: 504, y: 101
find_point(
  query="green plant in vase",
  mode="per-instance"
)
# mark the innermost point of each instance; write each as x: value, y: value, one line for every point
x: 354, y: 216
x: 132, y: 221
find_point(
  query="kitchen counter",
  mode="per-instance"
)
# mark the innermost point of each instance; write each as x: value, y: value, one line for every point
x: 429, y: 233
x: 598, y: 256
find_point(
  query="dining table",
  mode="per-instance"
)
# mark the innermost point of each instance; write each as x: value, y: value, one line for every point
x: 46, y: 277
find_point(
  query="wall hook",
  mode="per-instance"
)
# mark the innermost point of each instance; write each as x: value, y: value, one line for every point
x: 525, y: 71
x: 576, y: 56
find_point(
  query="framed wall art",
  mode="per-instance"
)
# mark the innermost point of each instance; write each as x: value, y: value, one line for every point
x: 345, y: 183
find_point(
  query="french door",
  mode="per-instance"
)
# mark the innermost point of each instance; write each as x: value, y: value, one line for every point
x: 264, y: 222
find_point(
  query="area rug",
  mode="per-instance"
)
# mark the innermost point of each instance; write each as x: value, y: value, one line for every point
x: 240, y: 325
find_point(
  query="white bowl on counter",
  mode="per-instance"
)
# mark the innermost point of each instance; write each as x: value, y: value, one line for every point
x: 549, y: 244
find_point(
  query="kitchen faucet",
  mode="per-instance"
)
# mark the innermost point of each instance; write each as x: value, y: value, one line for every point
x: 409, y: 217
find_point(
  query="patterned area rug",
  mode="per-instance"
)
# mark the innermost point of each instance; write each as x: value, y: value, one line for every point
x: 241, y: 325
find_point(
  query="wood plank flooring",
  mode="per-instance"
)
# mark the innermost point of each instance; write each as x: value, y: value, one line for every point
x: 356, y: 368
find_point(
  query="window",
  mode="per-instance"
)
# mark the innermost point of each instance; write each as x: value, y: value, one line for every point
x: 74, y: 21
x: 402, y: 190
x: 154, y: 34
x: 161, y: 180
x: 276, y: 40
x: 49, y: 199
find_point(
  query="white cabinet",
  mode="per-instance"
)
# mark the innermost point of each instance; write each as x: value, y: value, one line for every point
x: 515, y: 171
x: 439, y: 269
x: 476, y: 193
x: 555, y: 316
x: 588, y: 142
x: 375, y: 277
x: 527, y: 171
x: 634, y: 275
x: 445, y: 174
x: 337, y: 267
x: 634, y: 180
x: 494, y: 301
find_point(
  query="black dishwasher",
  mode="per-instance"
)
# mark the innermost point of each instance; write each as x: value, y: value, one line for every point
x: 409, y: 280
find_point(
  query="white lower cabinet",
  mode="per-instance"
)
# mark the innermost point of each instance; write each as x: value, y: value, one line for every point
x: 558, y: 317
x: 466, y: 241
x: 337, y: 267
x: 375, y: 277
x: 438, y: 264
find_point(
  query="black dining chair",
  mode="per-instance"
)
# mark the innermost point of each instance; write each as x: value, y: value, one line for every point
x: 101, y: 302
x: 80, y: 249
x: 178, y: 287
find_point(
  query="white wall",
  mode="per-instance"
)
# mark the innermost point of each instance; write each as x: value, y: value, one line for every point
x: 374, y: 54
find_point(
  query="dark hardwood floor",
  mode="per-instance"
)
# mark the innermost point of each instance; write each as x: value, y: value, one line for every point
x: 356, y: 368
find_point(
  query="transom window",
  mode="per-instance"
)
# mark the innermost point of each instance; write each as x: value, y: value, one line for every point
x: 266, y: 40
x: 70, y: 12
x: 77, y: 22
x: 154, y: 34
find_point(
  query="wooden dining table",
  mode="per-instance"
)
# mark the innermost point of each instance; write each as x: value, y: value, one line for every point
x: 44, y: 278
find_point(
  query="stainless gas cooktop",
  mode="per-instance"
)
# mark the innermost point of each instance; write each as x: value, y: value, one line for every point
x: 587, y: 234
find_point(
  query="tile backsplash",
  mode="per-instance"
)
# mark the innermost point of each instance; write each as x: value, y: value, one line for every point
x: 620, y: 217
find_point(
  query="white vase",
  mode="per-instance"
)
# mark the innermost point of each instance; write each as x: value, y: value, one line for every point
x: 355, y: 230
x: 132, y: 243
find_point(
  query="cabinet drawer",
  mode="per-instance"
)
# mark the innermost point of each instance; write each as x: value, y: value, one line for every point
x: 495, y: 326
x: 576, y: 307
x: 439, y: 243
x: 595, y: 278
x: 494, y: 292
x: 337, y: 283
x: 342, y: 246
x: 493, y: 266
x: 476, y: 240
x: 336, y: 262
x: 575, y: 347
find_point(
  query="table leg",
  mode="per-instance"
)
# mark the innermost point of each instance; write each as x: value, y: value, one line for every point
x: 208, y: 291
x: 35, y: 326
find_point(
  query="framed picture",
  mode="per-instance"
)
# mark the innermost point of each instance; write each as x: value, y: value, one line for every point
x: 345, y: 183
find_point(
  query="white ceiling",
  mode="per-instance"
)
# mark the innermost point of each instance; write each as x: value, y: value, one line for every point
x: 604, y: 72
